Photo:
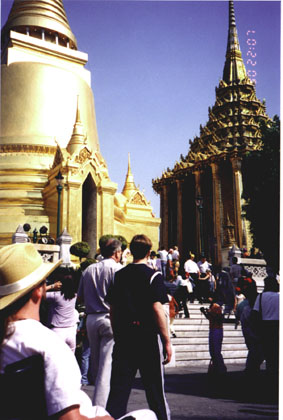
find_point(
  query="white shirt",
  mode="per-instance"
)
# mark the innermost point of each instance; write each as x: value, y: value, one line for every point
x: 175, y: 255
x: 163, y: 255
x: 62, y: 373
x: 191, y: 267
x: 94, y: 285
x: 203, y: 266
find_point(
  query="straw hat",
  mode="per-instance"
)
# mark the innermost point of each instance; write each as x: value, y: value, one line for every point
x: 21, y: 269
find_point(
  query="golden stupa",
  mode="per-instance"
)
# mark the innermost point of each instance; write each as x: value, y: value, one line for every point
x: 48, y: 125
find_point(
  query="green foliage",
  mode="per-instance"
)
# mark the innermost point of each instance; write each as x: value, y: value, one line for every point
x: 123, y: 240
x: 103, y: 240
x: 261, y: 181
x: 88, y: 261
x: 80, y: 249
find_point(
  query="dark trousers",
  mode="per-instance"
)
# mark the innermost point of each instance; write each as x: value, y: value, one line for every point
x: 181, y: 295
x: 194, y: 280
x: 215, y: 344
x: 202, y: 290
x: 270, y: 343
x: 135, y: 351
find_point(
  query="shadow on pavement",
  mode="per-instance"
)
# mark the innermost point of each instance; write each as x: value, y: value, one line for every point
x: 236, y: 386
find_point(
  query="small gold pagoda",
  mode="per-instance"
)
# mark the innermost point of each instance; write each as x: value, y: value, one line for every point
x: 201, y: 203
x: 48, y: 125
x: 133, y: 213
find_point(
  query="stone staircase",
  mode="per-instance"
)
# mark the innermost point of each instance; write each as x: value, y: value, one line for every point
x: 191, y: 344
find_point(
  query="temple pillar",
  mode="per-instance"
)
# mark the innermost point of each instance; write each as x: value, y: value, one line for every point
x: 216, y: 187
x: 198, y: 219
x: 180, y: 215
x: 164, y: 215
x: 237, y: 193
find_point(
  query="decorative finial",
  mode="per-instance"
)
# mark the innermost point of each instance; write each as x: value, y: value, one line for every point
x: 234, y: 68
x: 129, y: 164
x: 232, y: 20
x: 78, y: 114
x: 129, y: 186
x: 78, y: 139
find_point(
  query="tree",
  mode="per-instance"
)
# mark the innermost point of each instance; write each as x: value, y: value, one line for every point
x: 103, y: 240
x: 80, y: 249
x: 261, y: 191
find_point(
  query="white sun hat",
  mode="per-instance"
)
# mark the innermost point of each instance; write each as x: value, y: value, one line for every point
x: 21, y: 269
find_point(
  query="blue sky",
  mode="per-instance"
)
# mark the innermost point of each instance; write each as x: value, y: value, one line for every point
x: 155, y: 66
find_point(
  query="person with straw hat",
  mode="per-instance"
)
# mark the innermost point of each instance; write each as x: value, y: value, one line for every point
x: 22, y: 288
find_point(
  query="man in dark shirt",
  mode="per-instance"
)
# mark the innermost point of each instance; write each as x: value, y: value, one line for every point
x: 140, y: 332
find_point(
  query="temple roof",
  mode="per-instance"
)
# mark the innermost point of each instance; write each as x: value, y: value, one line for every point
x: 36, y: 15
x: 234, y: 68
x: 233, y: 127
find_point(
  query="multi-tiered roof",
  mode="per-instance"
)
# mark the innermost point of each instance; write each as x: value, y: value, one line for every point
x: 233, y: 127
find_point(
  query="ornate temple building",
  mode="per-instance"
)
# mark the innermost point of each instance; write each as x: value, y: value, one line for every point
x: 48, y: 126
x: 200, y: 197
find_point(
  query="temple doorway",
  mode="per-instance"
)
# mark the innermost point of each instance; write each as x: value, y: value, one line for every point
x: 89, y: 214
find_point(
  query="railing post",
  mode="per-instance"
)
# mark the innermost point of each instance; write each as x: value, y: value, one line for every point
x: 64, y: 241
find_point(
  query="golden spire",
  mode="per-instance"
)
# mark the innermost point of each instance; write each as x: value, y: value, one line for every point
x: 234, y: 68
x: 34, y: 16
x: 77, y: 139
x: 129, y: 186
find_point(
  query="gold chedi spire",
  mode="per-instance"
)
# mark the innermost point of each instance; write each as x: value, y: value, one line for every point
x: 234, y: 68
x: 78, y: 138
x: 40, y: 18
x: 129, y: 186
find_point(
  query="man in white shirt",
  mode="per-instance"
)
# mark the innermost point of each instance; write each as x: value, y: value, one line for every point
x: 163, y: 257
x: 191, y: 268
x: 203, y: 265
x: 93, y: 287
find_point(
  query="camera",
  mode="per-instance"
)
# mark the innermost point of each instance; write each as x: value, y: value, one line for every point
x: 203, y: 310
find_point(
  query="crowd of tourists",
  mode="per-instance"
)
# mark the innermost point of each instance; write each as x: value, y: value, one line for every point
x: 228, y: 290
x: 117, y: 320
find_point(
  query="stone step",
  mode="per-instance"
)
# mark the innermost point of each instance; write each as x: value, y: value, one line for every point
x: 191, y: 345
x: 205, y: 362
x: 198, y: 320
x: 204, y: 347
x: 204, y: 327
x: 198, y: 315
x: 190, y: 321
x: 199, y: 355
x: 204, y: 339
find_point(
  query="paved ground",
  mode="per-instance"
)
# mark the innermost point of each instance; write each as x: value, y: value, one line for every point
x: 192, y: 395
